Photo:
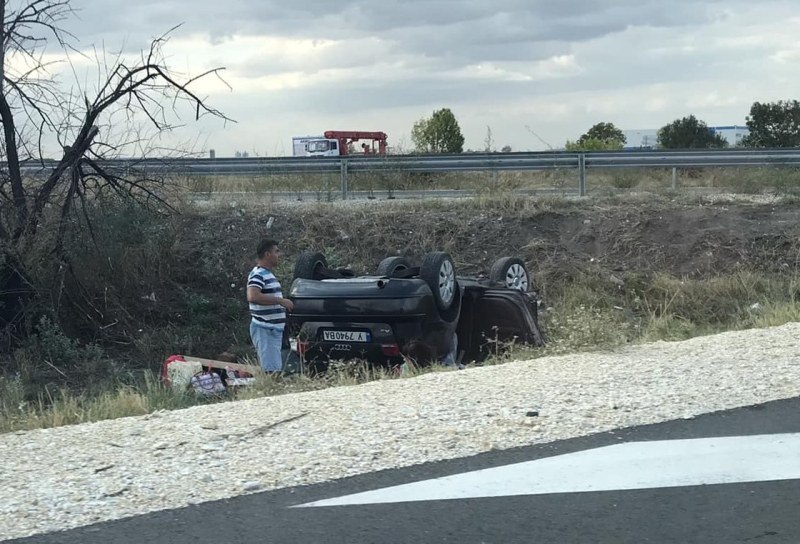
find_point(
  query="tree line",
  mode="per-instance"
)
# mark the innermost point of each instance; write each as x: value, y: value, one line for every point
x: 770, y: 125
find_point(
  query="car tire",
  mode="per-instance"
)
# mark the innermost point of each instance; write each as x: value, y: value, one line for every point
x: 309, y: 265
x: 439, y: 272
x: 390, y: 265
x: 511, y: 272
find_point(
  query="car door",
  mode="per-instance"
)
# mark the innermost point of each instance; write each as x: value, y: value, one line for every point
x: 504, y: 316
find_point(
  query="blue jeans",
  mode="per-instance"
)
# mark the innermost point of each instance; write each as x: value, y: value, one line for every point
x: 267, y: 342
x: 450, y: 358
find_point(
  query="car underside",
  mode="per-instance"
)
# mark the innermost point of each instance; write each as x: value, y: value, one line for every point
x: 339, y: 315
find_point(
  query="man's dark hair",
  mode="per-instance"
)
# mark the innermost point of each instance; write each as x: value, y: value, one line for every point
x: 264, y: 246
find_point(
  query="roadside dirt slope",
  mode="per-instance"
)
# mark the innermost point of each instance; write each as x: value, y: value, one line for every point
x: 641, y: 237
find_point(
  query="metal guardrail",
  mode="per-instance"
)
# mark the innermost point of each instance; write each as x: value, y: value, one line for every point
x: 464, y: 162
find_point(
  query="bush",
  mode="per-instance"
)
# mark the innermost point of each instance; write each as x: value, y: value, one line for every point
x: 48, y: 357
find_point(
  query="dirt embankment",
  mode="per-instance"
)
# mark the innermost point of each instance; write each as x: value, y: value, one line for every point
x: 180, y: 287
x: 557, y: 241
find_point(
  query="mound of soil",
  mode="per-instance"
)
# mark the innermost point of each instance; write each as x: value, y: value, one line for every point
x: 188, y: 294
x: 639, y: 237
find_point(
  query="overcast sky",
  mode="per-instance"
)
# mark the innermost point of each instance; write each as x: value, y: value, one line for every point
x: 529, y: 69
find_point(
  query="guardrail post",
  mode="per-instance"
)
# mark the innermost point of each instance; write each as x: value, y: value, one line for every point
x: 674, y: 178
x: 344, y: 179
x: 581, y: 175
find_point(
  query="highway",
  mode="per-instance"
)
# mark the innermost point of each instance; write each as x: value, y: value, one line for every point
x: 719, y: 478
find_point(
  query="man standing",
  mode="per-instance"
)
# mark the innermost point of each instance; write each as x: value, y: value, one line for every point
x: 267, y: 307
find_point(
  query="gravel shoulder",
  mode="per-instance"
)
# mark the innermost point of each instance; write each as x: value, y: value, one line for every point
x: 66, y: 477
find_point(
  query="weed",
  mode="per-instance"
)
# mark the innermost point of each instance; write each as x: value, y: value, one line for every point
x: 611, y: 271
x: 65, y: 407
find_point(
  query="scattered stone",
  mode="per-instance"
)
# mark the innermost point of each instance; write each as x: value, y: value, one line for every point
x: 116, y: 493
x: 251, y: 486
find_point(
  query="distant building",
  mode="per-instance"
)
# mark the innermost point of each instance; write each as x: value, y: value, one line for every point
x: 648, y: 138
x: 732, y: 133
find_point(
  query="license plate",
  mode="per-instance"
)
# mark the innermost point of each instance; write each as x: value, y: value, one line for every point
x: 345, y: 336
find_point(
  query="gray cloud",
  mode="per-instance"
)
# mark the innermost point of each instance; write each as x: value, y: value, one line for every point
x: 429, y: 26
x: 415, y: 55
x: 429, y: 36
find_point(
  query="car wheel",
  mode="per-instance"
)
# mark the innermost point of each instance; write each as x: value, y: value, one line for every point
x: 439, y: 273
x: 390, y: 265
x: 309, y: 265
x: 511, y: 272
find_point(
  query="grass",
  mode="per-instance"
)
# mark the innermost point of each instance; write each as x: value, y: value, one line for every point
x: 586, y: 317
x: 65, y: 407
x: 327, y: 187
x: 678, y: 309
x: 667, y: 308
x: 583, y: 310
x: 149, y: 394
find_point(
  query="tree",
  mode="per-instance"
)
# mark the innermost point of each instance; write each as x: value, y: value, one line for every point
x: 689, y: 133
x: 601, y: 137
x: 774, y: 124
x: 593, y: 144
x: 439, y: 133
x: 604, y: 132
x: 136, y: 101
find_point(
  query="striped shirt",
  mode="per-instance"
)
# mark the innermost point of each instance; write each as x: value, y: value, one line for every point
x: 271, y: 316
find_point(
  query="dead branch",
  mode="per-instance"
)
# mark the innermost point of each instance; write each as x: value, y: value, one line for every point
x: 35, y: 113
x: 137, y: 89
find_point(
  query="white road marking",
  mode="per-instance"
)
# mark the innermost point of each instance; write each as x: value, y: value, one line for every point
x: 632, y: 465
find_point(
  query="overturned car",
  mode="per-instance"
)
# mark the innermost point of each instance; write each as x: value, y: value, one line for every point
x: 339, y: 315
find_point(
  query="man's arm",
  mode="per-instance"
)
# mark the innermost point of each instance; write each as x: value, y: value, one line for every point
x: 255, y: 296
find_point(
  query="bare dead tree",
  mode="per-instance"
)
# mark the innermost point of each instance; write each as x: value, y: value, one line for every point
x: 31, y: 103
x: 36, y: 110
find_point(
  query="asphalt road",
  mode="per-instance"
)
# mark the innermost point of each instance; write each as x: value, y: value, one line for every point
x: 748, y: 510
x: 335, y: 194
x: 379, y: 195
